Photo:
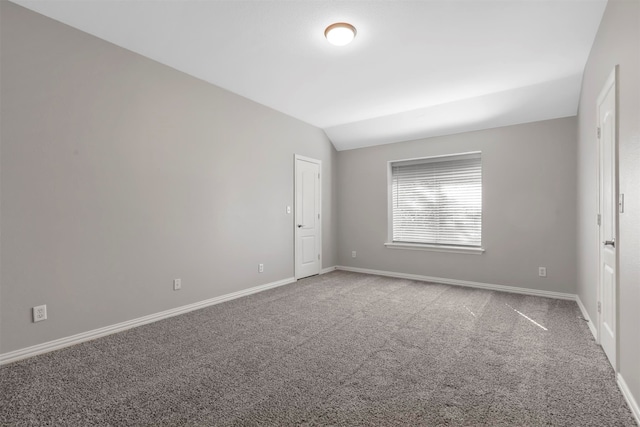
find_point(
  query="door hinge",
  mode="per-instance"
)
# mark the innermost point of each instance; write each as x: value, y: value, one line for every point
x: 318, y: 216
x: 599, y: 219
x: 599, y: 307
x: 598, y: 131
x: 621, y: 203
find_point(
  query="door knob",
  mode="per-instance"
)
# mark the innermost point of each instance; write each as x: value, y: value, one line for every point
x: 300, y: 225
x: 611, y: 242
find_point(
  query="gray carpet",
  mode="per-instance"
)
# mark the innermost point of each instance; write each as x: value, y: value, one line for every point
x: 338, y: 349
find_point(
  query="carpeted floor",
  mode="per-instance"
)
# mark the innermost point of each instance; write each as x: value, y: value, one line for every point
x: 338, y: 349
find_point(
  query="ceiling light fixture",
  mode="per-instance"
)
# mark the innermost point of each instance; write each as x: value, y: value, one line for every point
x: 340, y: 33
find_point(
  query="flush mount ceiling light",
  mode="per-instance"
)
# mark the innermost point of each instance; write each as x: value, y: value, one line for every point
x: 340, y: 33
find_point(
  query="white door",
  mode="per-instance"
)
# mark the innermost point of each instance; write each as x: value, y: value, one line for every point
x: 608, y: 210
x: 307, y: 217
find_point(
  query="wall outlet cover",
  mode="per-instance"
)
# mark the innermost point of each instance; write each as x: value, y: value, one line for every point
x: 39, y: 313
x: 177, y: 284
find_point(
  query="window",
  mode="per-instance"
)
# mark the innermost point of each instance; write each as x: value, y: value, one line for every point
x: 436, y: 203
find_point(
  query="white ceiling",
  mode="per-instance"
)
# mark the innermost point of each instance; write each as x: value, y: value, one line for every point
x: 416, y: 68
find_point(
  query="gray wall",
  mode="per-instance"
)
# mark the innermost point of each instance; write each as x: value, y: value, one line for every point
x: 119, y: 174
x: 617, y: 42
x: 529, y: 184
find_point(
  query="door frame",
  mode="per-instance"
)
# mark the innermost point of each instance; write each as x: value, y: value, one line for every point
x: 296, y: 158
x: 612, y: 81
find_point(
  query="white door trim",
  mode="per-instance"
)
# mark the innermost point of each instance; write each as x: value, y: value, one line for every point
x: 611, y: 83
x: 319, y: 195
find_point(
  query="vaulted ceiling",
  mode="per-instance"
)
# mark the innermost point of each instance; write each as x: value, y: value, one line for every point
x: 415, y: 69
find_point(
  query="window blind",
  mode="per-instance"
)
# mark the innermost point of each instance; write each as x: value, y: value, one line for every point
x: 438, y: 201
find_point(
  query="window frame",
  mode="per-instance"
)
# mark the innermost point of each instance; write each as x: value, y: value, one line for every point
x: 391, y: 244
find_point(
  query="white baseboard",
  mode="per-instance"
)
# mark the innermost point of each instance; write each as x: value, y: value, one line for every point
x: 631, y: 401
x: 585, y: 314
x: 489, y: 286
x: 328, y: 270
x: 108, y: 330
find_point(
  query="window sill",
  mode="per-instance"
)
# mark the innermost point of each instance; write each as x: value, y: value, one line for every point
x: 434, y: 248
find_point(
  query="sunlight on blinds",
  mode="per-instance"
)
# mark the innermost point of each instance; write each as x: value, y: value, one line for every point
x: 438, y: 201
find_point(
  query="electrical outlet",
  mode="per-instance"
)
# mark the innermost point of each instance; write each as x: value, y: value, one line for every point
x: 177, y: 284
x: 39, y: 313
x: 353, y: 254
x: 260, y: 268
x: 542, y: 271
